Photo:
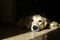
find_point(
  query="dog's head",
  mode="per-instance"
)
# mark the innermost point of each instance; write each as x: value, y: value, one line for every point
x: 36, y: 22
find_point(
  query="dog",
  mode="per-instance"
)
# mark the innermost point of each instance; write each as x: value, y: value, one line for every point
x: 37, y: 22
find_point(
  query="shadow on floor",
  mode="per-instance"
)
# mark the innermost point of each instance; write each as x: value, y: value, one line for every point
x: 10, y: 30
x: 54, y: 35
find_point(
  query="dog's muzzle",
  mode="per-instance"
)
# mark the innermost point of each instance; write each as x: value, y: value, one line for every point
x: 35, y: 28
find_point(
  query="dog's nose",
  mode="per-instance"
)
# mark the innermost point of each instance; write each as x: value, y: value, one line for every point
x: 35, y: 27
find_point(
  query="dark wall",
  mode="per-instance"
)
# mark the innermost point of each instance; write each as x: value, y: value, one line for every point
x: 50, y: 9
x: 7, y: 11
x: 22, y: 7
x: 25, y: 7
x: 54, y: 10
x: 10, y: 13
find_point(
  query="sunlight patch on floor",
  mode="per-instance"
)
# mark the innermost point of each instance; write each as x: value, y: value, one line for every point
x: 31, y: 35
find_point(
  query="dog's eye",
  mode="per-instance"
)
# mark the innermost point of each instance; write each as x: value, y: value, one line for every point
x: 40, y: 20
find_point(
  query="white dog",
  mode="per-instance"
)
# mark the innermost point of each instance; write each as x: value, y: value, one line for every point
x: 37, y: 22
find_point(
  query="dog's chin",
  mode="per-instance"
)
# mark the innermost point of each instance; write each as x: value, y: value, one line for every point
x: 35, y: 30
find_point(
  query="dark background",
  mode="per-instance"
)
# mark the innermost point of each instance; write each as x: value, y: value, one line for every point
x: 25, y: 7
x: 12, y: 10
x: 50, y: 9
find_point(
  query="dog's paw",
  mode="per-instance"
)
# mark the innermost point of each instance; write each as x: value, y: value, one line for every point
x: 54, y: 25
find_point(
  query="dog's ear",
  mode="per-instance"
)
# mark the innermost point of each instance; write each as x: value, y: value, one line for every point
x: 20, y: 23
x: 27, y: 19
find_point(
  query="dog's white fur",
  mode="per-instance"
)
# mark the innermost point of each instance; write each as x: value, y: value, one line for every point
x: 38, y: 21
x: 43, y: 23
x: 54, y: 24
